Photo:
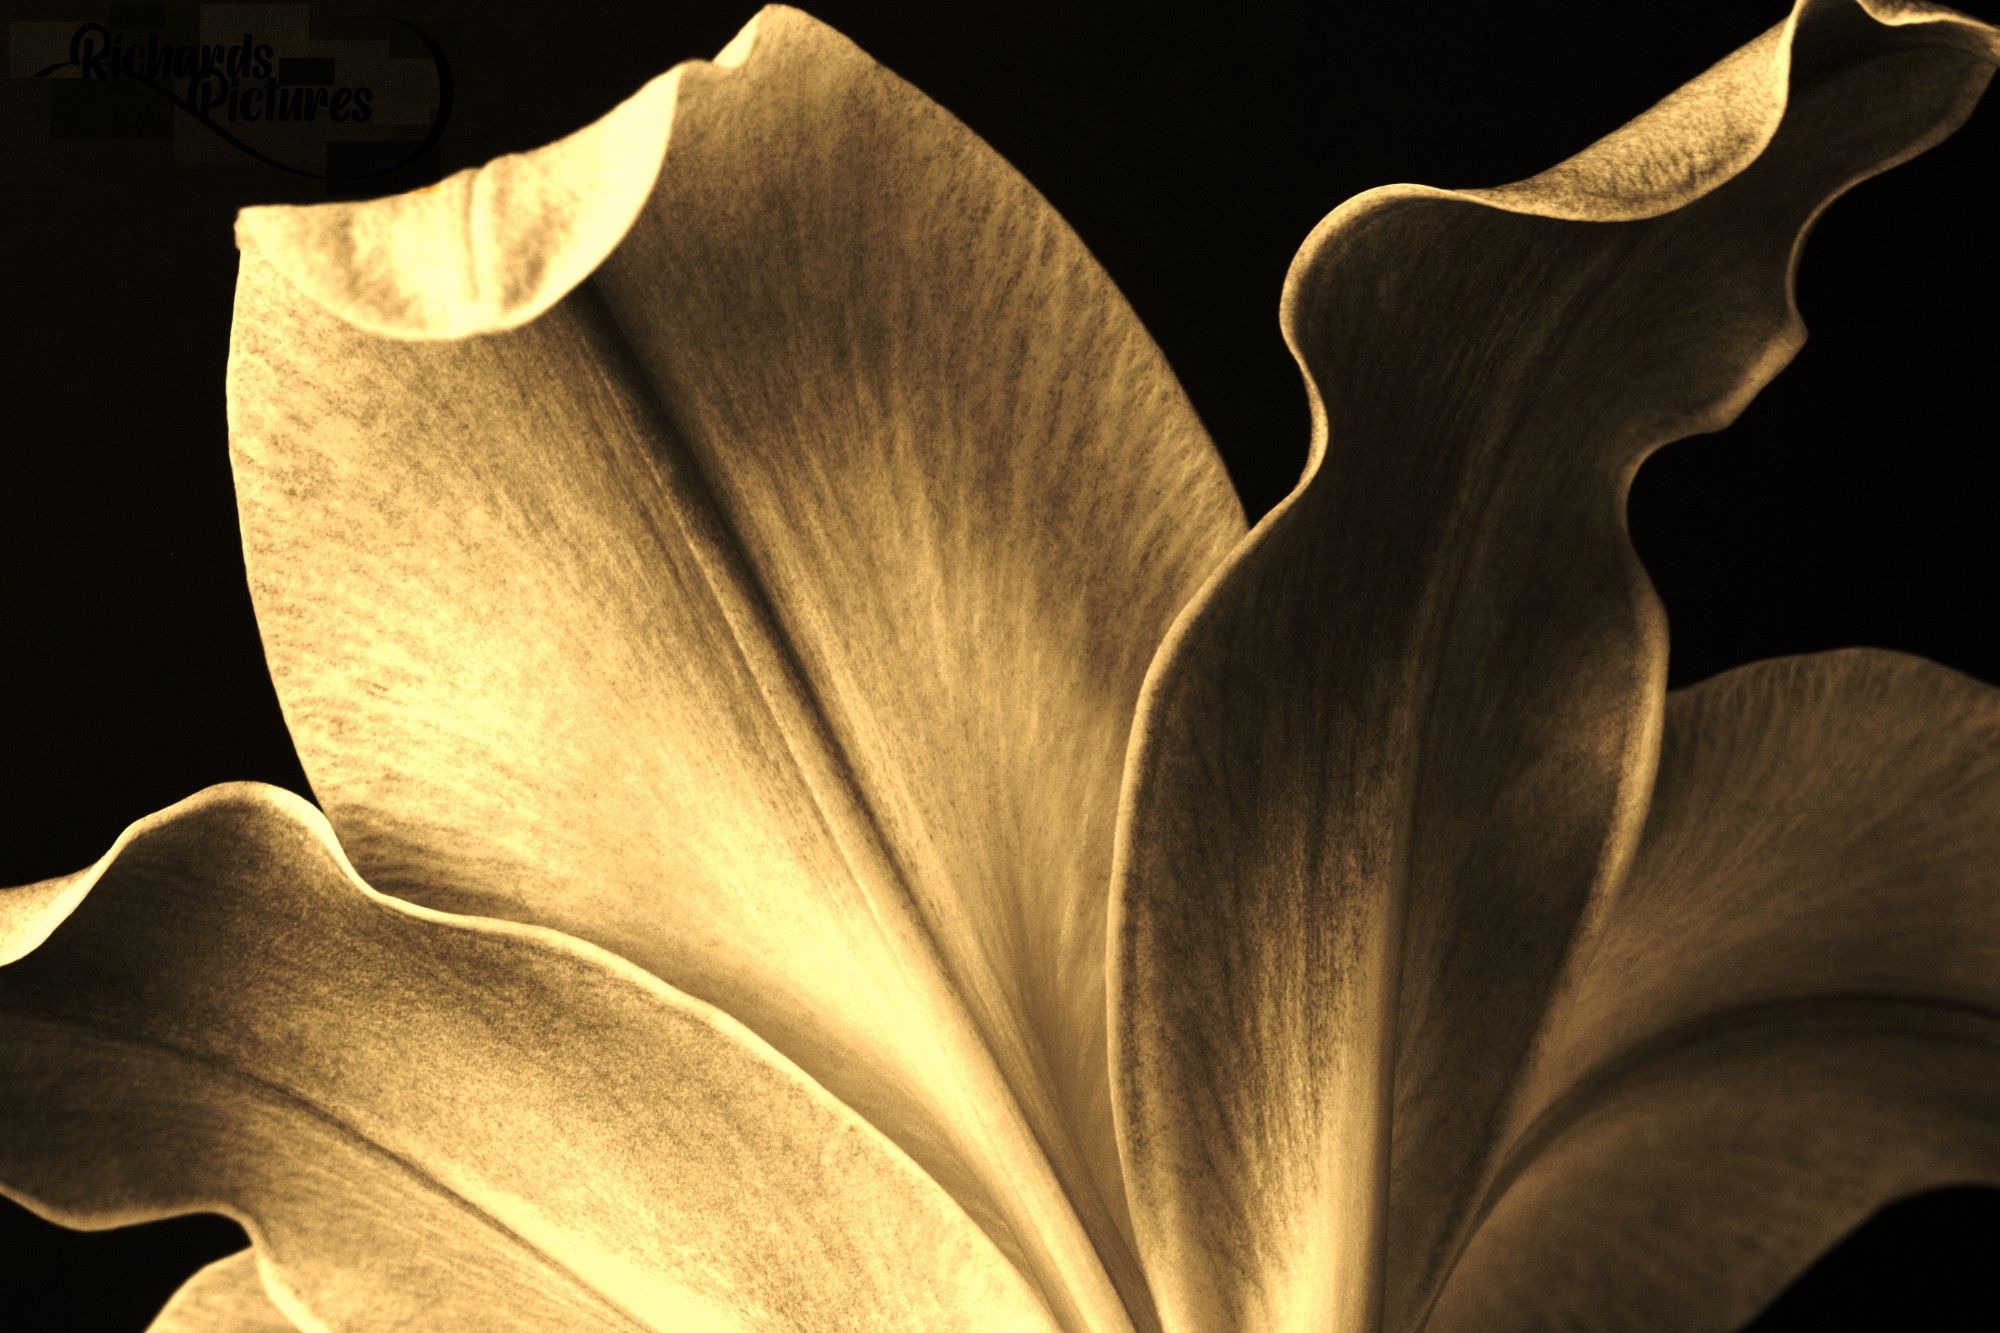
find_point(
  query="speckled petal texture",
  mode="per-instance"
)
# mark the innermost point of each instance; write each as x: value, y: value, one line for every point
x: 770, y: 610
x: 1398, y: 749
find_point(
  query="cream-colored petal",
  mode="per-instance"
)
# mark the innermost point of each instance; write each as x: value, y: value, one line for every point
x: 1786, y: 1017
x: 1391, y: 751
x: 227, y: 1296
x: 770, y: 609
x: 428, y: 1121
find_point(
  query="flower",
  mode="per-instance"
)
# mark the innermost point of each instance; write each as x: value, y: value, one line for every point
x: 832, y: 821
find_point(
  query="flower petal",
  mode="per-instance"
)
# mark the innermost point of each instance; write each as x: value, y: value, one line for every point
x: 227, y: 1296
x: 429, y: 1121
x: 1393, y: 748
x: 1787, y: 1016
x: 771, y: 609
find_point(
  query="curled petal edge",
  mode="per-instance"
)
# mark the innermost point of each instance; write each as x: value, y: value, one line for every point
x: 490, y: 247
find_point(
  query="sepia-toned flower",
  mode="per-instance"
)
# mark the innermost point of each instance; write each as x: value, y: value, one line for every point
x: 832, y: 819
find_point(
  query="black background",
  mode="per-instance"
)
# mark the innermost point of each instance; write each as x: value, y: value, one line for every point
x: 1193, y: 152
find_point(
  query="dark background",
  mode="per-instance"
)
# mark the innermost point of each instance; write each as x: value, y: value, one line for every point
x: 1850, y: 505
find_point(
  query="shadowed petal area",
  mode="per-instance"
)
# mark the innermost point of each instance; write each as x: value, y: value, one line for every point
x: 227, y: 1296
x: 769, y: 609
x: 438, y: 1122
x: 1788, y: 1016
x: 1391, y: 752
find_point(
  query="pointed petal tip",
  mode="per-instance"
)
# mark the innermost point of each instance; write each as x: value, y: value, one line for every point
x: 1686, y: 146
x: 1710, y: 130
x: 1692, y: 143
x: 492, y: 247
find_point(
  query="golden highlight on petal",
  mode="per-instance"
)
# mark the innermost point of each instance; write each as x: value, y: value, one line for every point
x: 227, y: 1296
x: 487, y: 248
x: 440, y: 1122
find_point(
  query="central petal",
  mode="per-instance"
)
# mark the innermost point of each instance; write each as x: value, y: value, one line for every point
x: 765, y: 601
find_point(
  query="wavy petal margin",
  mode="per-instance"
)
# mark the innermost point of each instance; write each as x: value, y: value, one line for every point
x: 442, y: 1122
x: 1787, y: 1016
x: 1405, y: 738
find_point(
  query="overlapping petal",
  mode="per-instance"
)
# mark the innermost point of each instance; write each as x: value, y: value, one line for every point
x: 751, y: 570
x: 1787, y: 1016
x: 1398, y: 746
x: 429, y: 1121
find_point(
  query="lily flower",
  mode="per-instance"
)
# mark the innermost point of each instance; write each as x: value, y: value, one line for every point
x: 833, y: 820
